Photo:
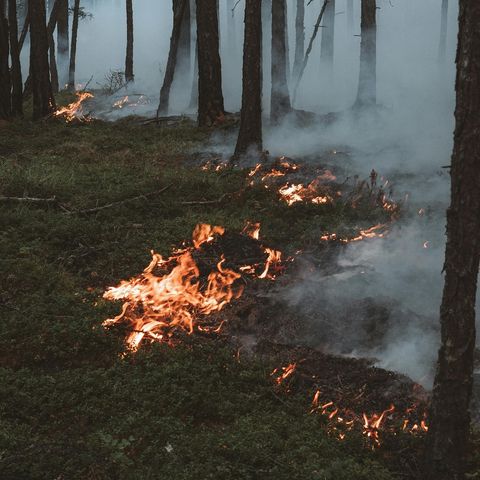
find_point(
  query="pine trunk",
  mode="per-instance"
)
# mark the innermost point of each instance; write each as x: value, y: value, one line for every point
x: 210, y: 95
x: 43, y: 99
x: 280, y: 98
x: 442, y: 50
x: 16, y: 77
x: 5, y: 85
x: 73, y: 48
x: 129, y: 77
x: 328, y: 38
x: 250, y: 134
x: 51, y: 44
x: 62, y: 40
x: 179, y: 8
x: 299, y: 38
x: 367, y: 84
x: 185, y: 42
x: 447, y: 442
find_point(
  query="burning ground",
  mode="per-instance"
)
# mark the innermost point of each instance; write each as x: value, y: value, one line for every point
x: 77, y: 404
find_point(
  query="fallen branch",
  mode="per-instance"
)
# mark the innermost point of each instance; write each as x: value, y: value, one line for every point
x: 205, y: 202
x: 121, y: 202
x: 28, y: 199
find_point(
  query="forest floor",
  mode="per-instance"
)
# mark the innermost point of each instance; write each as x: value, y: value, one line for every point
x: 72, y: 406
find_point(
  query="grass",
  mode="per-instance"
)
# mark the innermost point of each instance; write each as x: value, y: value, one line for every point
x: 71, y: 406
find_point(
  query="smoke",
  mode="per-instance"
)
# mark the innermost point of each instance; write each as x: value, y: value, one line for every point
x: 382, y: 299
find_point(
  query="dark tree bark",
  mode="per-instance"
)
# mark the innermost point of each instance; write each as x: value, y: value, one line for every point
x: 62, y: 40
x: 51, y: 45
x: 299, y: 38
x: 210, y: 95
x: 43, y: 99
x: 194, y: 95
x: 179, y: 8
x: 5, y: 84
x: 350, y: 14
x: 280, y: 97
x: 250, y: 134
x: 129, y: 77
x: 16, y: 70
x: 328, y: 38
x: 442, y: 50
x: 73, y: 48
x: 185, y: 42
x: 367, y: 84
x: 447, y: 441
x: 25, y: 28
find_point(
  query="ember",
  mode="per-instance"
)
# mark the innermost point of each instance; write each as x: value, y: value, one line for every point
x: 172, y: 294
x: 75, y: 110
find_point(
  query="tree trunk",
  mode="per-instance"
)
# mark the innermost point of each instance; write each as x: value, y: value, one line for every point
x: 210, y: 95
x: 5, y: 99
x: 328, y: 39
x: 185, y: 42
x: 280, y: 98
x: 447, y: 441
x: 51, y: 45
x: 129, y: 77
x: 250, y: 134
x: 232, y: 29
x: 194, y: 95
x: 43, y: 99
x: 62, y: 40
x: 17, y: 97
x: 73, y: 48
x: 25, y: 28
x: 367, y: 84
x: 179, y: 8
x: 350, y: 14
x: 442, y: 50
x: 299, y: 38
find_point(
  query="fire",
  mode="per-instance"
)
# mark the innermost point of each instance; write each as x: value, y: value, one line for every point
x: 372, y: 425
x: 377, y: 231
x: 128, y: 102
x: 74, y: 110
x: 299, y: 193
x: 121, y: 103
x: 281, y: 374
x: 170, y: 295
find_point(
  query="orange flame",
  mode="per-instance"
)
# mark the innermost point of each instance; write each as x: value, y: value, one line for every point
x: 75, y: 109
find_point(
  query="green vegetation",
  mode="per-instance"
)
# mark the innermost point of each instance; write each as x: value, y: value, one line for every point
x: 71, y: 406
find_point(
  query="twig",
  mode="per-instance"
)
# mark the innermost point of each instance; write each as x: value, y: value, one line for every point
x: 121, y: 202
x: 28, y: 199
x: 87, y: 84
x: 205, y: 202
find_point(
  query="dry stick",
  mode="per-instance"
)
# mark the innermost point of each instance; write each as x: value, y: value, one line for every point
x: 309, y: 49
x: 121, y: 202
x: 28, y: 199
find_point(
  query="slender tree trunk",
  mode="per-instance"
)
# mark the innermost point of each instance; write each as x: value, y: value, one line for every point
x: 185, y: 42
x: 73, y: 48
x: 43, y: 99
x: 350, y: 14
x: 299, y: 38
x: 26, y: 26
x: 442, y: 50
x: 179, y: 8
x: 287, y: 44
x: 250, y: 134
x: 280, y: 97
x: 447, y: 441
x: 17, y: 96
x: 5, y: 84
x: 328, y: 39
x: 367, y: 85
x: 129, y: 77
x: 51, y: 45
x: 210, y: 95
x: 62, y: 41
x: 194, y: 95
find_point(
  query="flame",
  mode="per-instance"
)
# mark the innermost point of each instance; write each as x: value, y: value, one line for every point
x: 156, y: 305
x: 377, y: 231
x: 252, y: 230
x: 128, y: 102
x: 295, y: 193
x: 75, y: 109
x: 281, y: 374
x: 121, y: 103
x: 372, y: 425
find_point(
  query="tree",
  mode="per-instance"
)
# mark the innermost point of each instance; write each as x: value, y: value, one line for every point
x: 16, y: 70
x: 73, y: 48
x: 51, y: 45
x: 280, y: 98
x: 210, y: 95
x: 43, y: 99
x: 328, y: 39
x: 367, y: 83
x: 5, y: 99
x: 299, y: 38
x: 62, y: 40
x: 129, y: 54
x: 179, y: 8
x: 447, y: 441
x: 185, y: 42
x: 250, y: 134
x: 442, y: 50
